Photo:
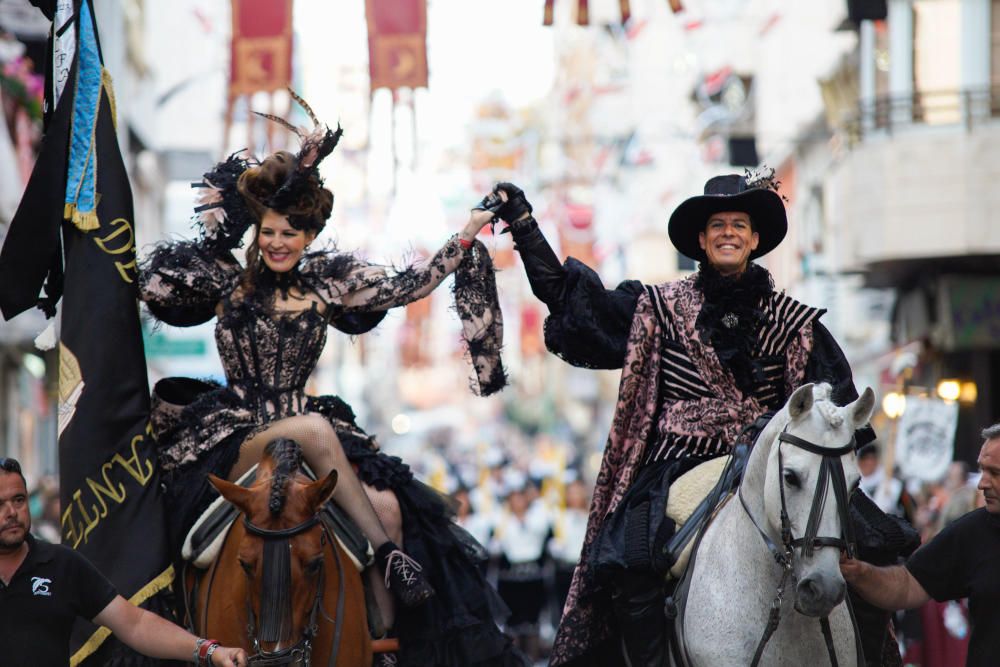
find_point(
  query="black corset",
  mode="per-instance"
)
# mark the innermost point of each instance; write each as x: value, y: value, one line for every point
x: 268, y: 357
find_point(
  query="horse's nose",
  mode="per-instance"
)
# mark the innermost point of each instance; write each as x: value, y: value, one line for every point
x: 817, y: 594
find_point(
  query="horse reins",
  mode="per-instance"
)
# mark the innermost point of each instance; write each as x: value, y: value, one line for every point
x: 301, y: 652
x: 830, y: 468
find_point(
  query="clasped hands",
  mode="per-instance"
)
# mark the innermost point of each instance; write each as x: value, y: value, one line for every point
x: 505, y: 202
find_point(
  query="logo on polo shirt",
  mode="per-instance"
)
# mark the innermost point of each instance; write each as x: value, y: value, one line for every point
x: 40, y: 586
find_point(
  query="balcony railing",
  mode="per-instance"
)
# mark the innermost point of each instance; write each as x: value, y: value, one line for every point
x: 886, y: 114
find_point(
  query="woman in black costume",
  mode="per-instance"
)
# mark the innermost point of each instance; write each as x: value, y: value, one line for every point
x: 272, y: 318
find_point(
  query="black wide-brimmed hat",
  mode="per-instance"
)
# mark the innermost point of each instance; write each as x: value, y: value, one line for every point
x: 757, y: 198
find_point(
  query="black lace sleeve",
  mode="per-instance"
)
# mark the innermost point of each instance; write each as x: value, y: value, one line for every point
x: 182, y: 282
x: 357, y: 289
x: 591, y: 328
x: 319, y: 269
x: 827, y: 363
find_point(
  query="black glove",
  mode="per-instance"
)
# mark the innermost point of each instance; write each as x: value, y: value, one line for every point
x: 490, y: 202
x: 516, y: 204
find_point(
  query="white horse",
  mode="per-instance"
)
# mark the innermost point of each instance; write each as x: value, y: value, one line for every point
x: 736, y: 577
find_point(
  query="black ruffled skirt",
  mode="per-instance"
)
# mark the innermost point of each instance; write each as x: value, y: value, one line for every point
x: 458, y: 627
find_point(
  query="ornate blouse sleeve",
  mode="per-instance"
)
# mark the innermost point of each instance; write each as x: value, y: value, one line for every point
x: 182, y: 282
x: 591, y: 327
x: 362, y: 287
x: 356, y: 288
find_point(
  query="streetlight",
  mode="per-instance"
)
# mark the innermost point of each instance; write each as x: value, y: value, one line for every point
x: 957, y: 390
x: 949, y: 390
x: 894, y: 404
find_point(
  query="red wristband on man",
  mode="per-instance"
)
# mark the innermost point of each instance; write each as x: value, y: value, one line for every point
x: 465, y: 244
x: 204, y: 650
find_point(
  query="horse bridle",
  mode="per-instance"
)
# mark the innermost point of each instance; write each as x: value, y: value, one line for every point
x: 831, y: 467
x: 301, y: 652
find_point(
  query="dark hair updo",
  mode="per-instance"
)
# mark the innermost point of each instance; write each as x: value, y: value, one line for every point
x: 301, y: 193
x: 277, y: 184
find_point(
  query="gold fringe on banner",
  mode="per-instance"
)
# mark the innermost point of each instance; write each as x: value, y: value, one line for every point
x: 164, y: 580
x: 109, y: 88
x: 85, y: 221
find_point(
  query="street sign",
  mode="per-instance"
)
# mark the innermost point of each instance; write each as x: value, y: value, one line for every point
x: 159, y: 345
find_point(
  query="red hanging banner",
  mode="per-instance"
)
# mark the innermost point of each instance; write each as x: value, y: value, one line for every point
x: 549, y: 12
x: 582, y: 12
x: 397, y: 43
x: 626, y: 10
x: 261, y: 50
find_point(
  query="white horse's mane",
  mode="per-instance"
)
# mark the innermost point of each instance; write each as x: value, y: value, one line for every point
x: 822, y: 401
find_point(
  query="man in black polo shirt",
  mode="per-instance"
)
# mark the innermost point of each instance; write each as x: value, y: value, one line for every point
x: 44, y: 587
x: 962, y: 561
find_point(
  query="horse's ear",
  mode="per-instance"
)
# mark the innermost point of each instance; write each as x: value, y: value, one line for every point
x: 861, y: 409
x: 234, y: 493
x: 801, y: 401
x: 321, y: 490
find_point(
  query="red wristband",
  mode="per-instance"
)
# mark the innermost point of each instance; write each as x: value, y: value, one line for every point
x: 465, y: 244
x: 203, y: 649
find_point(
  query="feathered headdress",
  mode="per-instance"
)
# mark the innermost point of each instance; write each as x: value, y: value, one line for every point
x: 316, y: 145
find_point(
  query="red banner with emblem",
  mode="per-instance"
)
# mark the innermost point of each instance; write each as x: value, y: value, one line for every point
x: 261, y: 51
x: 397, y: 43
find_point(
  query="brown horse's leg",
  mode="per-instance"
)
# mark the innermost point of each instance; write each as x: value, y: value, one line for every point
x: 387, y: 508
x: 323, y: 452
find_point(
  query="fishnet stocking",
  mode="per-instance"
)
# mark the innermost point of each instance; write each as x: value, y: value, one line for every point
x: 322, y: 451
x: 387, y: 508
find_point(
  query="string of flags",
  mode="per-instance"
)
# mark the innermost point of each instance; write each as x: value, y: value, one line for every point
x: 583, y: 10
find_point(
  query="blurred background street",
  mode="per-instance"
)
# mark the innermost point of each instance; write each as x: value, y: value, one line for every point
x: 880, y: 119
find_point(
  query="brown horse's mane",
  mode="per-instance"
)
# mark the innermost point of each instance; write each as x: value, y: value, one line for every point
x: 287, y: 457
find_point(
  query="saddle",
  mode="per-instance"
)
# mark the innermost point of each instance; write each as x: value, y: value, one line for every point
x: 207, y: 535
x: 690, y: 503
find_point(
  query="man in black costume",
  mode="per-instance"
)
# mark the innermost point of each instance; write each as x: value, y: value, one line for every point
x: 703, y: 358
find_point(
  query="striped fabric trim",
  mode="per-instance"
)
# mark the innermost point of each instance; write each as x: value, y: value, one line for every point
x: 785, y: 317
x: 673, y: 446
x: 679, y: 378
x: 662, y: 313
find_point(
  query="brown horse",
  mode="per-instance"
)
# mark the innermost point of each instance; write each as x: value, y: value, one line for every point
x: 282, y: 587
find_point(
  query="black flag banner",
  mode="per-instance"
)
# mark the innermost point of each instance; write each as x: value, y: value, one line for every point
x: 109, y: 483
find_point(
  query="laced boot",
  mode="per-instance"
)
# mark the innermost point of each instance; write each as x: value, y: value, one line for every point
x: 403, y: 576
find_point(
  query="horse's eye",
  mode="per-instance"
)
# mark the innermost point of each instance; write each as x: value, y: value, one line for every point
x: 247, y: 567
x: 314, y: 566
x: 792, y: 479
